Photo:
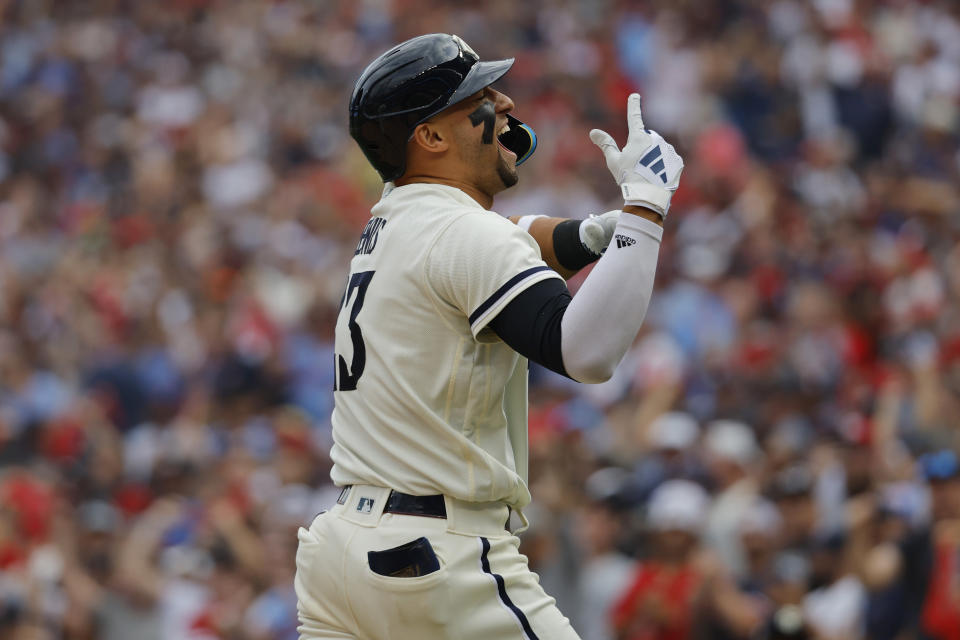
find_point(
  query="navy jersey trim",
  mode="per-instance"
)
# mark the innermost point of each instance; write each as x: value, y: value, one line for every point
x: 502, y: 592
x: 499, y: 293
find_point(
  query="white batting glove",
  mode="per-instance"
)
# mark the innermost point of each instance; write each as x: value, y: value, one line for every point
x: 647, y: 168
x: 596, y: 231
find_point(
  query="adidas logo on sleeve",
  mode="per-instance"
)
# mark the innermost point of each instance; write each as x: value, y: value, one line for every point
x: 624, y: 241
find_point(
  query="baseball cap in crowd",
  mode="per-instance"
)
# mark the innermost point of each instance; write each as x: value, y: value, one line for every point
x: 604, y: 484
x: 832, y: 542
x: 790, y: 437
x: 674, y: 430
x: 97, y: 516
x: 678, y: 504
x: 182, y: 561
x: 731, y: 440
x: 761, y: 518
x: 907, y: 500
x: 939, y: 465
x: 793, y: 482
x: 703, y: 262
x: 791, y: 567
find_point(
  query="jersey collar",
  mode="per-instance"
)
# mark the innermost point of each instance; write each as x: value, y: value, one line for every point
x: 417, y: 189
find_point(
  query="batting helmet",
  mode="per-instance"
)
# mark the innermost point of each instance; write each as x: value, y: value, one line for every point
x: 413, y: 82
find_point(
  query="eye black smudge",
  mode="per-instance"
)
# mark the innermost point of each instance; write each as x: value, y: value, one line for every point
x: 485, y: 114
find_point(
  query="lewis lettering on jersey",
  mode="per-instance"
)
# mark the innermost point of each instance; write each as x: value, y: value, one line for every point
x: 368, y: 239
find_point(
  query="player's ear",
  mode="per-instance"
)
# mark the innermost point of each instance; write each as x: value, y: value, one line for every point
x: 430, y: 137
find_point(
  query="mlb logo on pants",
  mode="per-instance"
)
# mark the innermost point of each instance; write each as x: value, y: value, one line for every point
x: 365, y: 505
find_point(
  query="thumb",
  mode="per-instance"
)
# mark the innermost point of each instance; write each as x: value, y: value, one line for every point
x: 596, y: 231
x: 611, y: 152
x: 604, y: 140
x: 592, y: 235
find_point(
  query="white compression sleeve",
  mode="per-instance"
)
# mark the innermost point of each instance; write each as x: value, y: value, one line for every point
x: 606, y: 313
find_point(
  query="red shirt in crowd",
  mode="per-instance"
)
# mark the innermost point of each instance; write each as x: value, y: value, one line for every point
x: 941, y: 611
x: 658, y: 605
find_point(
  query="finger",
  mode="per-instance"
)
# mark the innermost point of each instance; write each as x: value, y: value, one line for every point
x: 603, y: 140
x: 634, y: 115
x: 611, y: 152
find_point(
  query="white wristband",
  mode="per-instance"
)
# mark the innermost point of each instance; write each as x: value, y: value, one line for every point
x: 525, y: 222
x: 647, y: 195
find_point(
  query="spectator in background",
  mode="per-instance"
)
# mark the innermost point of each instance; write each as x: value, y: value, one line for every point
x: 941, y: 609
x: 679, y: 589
x: 786, y: 590
x: 835, y: 607
x: 896, y: 566
x: 732, y: 453
x: 791, y: 491
x: 761, y: 532
x: 671, y: 437
x: 606, y: 571
x: 661, y: 600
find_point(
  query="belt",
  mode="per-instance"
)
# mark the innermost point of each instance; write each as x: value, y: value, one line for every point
x: 409, y: 505
x: 429, y: 507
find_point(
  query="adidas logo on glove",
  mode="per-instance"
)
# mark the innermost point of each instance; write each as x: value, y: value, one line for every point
x: 624, y: 241
x: 654, y: 161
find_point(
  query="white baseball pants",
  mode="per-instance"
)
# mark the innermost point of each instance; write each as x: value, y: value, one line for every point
x: 483, y: 589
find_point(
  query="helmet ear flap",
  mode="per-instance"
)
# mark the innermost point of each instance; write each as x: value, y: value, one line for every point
x: 520, y: 139
x: 380, y: 119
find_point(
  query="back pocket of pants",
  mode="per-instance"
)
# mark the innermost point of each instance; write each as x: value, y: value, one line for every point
x: 411, y: 560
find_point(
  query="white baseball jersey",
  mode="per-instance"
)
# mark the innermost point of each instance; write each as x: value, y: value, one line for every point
x: 428, y: 399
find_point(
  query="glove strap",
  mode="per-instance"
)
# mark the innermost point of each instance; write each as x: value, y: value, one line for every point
x: 647, y: 195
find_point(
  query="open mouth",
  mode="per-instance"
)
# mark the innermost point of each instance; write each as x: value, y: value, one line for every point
x: 502, y: 135
x: 517, y: 139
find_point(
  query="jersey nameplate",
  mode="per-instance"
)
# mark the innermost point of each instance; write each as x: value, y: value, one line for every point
x: 368, y: 239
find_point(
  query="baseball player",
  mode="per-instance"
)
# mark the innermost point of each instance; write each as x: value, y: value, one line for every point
x: 445, y: 304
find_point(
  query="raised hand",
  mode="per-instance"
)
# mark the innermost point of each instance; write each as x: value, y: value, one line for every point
x: 648, y: 168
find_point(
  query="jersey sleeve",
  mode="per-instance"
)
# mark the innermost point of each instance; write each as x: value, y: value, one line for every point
x: 481, y: 262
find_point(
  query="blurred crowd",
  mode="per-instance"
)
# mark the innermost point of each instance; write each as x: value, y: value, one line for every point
x: 179, y: 200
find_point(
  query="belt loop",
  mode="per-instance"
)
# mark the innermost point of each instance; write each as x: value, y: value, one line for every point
x: 524, y: 523
x: 450, y: 506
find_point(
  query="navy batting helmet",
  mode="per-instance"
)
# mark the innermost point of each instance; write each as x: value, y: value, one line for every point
x: 413, y: 82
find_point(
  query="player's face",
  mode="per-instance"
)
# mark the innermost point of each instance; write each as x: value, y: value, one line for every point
x: 478, y: 121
